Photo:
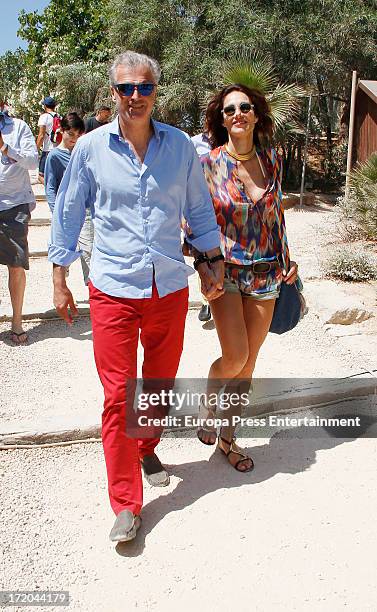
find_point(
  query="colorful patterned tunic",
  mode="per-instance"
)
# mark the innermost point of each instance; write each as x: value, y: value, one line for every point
x: 250, y: 231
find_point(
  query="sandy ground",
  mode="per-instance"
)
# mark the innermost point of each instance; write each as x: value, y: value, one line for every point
x: 296, y: 534
x: 59, y: 382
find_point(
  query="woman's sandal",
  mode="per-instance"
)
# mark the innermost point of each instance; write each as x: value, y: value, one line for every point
x: 204, y: 414
x: 18, y: 338
x: 235, y: 450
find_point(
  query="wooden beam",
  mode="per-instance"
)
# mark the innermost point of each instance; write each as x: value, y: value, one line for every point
x: 351, y: 130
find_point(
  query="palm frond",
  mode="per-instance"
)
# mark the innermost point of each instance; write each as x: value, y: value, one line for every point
x: 366, y: 172
x: 290, y: 131
x: 284, y: 102
x: 249, y: 69
x: 257, y: 72
x: 362, y: 198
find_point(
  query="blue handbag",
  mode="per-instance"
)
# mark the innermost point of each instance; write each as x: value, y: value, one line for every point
x: 289, y: 308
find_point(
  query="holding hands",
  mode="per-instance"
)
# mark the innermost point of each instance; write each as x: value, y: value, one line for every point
x: 292, y: 275
x: 211, y: 272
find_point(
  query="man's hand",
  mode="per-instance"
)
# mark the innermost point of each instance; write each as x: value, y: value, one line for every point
x: 63, y: 298
x: 212, y: 277
x: 291, y: 277
x: 3, y: 145
x: 40, y: 137
x: 210, y: 287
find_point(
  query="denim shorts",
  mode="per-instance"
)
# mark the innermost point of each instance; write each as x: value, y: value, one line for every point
x: 14, y: 250
x: 42, y: 162
x: 243, y: 281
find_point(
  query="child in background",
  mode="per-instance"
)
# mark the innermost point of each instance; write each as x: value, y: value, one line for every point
x: 72, y: 127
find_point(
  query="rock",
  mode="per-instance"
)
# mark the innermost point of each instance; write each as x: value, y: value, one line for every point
x: 334, y: 306
x: 348, y: 314
x: 291, y: 200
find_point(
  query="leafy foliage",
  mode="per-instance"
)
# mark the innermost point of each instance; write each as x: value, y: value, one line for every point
x: 351, y: 264
x: 67, y: 33
x: 257, y: 72
x: 12, y: 66
x: 361, y: 204
x: 199, y: 43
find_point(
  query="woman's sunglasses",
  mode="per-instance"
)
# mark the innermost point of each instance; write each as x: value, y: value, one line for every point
x: 245, y: 107
x: 127, y: 89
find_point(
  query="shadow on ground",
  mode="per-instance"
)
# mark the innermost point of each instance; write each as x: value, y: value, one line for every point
x: 81, y: 329
x: 286, y: 452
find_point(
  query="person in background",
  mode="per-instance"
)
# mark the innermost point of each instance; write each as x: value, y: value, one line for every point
x: 72, y: 127
x: 18, y: 155
x: 101, y: 117
x: 44, y: 142
x: 203, y: 146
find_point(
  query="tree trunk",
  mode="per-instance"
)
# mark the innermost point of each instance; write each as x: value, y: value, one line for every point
x: 326, y: 118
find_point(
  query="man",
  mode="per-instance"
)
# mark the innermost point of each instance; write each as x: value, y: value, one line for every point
x: 140, y: 178
x: 44, y: 142
x: 18, y: 155
x: 102, y: 117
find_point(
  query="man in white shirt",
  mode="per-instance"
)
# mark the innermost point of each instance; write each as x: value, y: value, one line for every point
x: 44, y: 142
x: 18, y: 156
x: 203, y: 147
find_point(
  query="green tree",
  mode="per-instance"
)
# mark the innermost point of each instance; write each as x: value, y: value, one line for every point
x: 12, y: 65
x: 66, y: 33
x: 79, y: 24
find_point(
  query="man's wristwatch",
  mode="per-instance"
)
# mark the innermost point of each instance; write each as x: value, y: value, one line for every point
x: 202, y: 258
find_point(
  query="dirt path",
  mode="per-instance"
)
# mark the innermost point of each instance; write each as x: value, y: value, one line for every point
x: 295, y: 534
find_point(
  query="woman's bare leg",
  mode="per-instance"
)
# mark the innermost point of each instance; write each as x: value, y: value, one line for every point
x: 227, y: 312
x: 257, y: 317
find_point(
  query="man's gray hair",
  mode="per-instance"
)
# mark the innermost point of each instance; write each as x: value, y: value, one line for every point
x: 130, y: 59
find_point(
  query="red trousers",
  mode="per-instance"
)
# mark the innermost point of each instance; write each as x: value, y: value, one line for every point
x: 116, y: 323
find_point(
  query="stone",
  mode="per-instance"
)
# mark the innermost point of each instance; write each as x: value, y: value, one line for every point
x: 334, y: 306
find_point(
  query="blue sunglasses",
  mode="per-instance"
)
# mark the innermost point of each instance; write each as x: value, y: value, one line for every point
x: 127, y: 89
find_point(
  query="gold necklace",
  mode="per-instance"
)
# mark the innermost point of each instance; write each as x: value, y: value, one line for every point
x: 241, y: 156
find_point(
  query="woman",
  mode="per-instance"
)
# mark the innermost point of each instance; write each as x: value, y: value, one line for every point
x: 72, y: 127
x: 244, y: 178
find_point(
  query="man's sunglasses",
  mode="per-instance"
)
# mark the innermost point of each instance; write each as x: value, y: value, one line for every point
x: 127, y: 89
x: 245, y: 107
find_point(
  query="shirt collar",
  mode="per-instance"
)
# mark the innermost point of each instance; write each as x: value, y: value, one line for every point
x: 158, y: 128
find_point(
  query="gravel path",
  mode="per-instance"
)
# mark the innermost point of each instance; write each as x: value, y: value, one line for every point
x: 60, y: 383
x: 296, y: 534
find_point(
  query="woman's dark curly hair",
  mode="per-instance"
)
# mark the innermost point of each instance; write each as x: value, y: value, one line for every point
x: 214, y: 117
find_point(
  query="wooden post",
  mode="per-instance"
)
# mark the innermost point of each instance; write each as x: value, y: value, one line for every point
x: 305, y: 150
x: 351, y: 130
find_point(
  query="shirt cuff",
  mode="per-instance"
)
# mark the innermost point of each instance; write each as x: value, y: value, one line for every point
x: 60, y: 256
x: 206, y: 242
x: 30, y: 162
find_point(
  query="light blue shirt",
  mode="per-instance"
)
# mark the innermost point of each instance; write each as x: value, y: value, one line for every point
x: 56, y: 164
x: 136, y: 208
x: 22, y: 155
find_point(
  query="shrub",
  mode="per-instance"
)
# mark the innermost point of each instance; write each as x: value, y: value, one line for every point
x: 351, y: 264
x: 335, y: 164
x: 361, y: 205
